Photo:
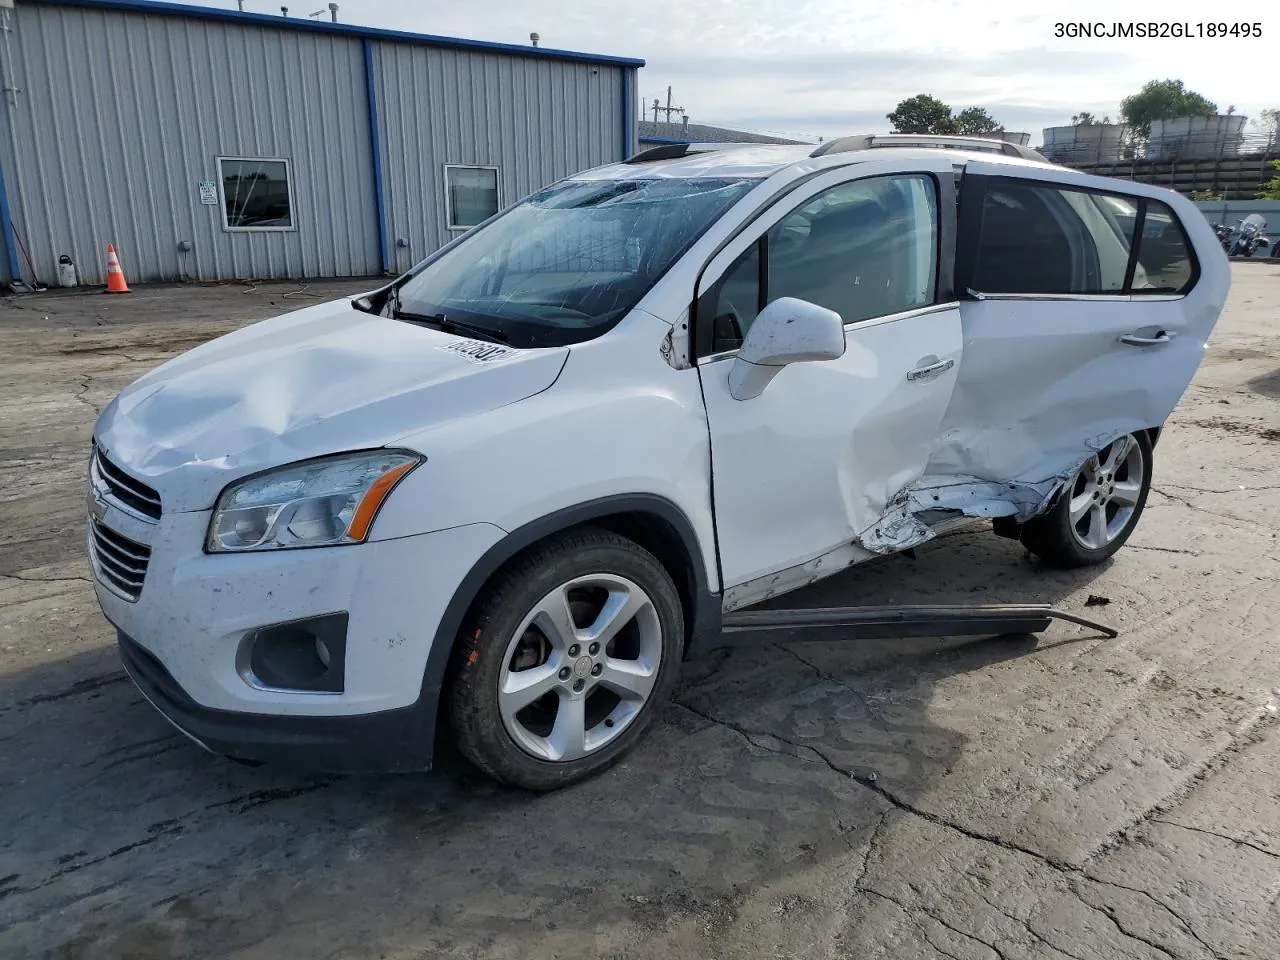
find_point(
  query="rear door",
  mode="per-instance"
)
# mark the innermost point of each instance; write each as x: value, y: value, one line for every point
x: 813, y: 463
x: 1086, y: 305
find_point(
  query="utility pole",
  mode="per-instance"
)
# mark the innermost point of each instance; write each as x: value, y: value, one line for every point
x: 668, y: 109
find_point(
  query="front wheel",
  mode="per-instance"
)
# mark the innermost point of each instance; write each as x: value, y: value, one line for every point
x: 1098, y: 509
x: 565, y: 660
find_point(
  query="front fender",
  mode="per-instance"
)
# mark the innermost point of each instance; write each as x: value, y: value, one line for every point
x: 618, y: 422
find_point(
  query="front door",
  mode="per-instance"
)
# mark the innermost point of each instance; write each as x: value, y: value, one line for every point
x: 816, y: 461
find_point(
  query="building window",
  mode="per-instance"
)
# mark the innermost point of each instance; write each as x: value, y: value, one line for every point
x: 470, y: 195
x: 256, y: 194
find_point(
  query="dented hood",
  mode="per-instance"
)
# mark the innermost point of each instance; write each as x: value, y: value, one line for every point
x: 323, y: 380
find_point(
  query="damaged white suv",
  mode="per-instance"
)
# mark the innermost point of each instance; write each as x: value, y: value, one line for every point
x: 510, y: 489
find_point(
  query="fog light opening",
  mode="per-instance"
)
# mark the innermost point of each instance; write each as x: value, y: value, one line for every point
x: 305, y: 656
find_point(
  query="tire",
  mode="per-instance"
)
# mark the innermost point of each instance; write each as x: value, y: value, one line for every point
x: 587, y: 708
x: 1112, y: 499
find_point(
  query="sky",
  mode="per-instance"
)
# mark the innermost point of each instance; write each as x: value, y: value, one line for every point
x: 810, y: 68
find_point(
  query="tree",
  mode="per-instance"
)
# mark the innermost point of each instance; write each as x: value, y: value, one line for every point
x: 973, y: 120
x: 922, y: 114
x: 1163, y: 100
x: 1084, y: 119
x: 1271, y: 189
x: 1269, y: 123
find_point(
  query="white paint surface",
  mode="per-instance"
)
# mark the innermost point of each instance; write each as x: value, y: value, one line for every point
x: 824, y: 463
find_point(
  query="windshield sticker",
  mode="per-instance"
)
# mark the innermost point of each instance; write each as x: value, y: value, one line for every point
x: 479, y: 351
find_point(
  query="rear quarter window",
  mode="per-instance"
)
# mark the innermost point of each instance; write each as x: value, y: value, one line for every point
x: 1165, y: 264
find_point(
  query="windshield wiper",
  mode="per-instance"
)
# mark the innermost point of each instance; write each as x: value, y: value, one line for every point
x: 441, y: 322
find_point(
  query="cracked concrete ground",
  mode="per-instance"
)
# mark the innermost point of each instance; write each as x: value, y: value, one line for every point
x: 1055, y: 797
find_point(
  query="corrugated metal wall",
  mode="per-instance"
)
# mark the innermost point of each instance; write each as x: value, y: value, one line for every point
x: 536, y: 120
x: 121, y: 114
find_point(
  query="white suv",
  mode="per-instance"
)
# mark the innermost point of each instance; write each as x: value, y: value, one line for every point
x: 511, y: 489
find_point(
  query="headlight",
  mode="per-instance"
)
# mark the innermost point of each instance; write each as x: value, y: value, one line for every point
x: 319, y: 503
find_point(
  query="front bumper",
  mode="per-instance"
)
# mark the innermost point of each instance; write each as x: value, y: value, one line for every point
x: 182, y: 634
x: 195, y: 610
x: 393, y: 741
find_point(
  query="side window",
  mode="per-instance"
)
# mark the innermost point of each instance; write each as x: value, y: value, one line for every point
x: 1164, y: 258
x: 863, y: 249
x: 737, y: 300
x: 1040, y: 239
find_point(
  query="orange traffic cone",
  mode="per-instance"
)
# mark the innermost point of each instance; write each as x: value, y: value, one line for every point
x: 115, y: 276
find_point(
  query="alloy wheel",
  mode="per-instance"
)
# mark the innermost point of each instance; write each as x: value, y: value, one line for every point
x: 580, y: 667
x: 1106, y: 493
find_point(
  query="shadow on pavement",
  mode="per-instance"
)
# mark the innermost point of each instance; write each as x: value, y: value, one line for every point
x: 1267, y: 385
x: 123, y: 838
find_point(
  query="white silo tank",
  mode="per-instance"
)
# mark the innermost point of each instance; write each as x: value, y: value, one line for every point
x: 1196, y: 138
x: 1084, y: 143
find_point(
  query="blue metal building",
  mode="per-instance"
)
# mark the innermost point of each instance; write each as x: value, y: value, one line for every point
x: 209, y: 144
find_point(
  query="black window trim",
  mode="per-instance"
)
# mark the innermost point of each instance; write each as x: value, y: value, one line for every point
x: 944, y: 287
x: 972, y: 205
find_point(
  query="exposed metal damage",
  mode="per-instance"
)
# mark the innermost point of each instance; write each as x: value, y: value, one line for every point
x: 900, y: 527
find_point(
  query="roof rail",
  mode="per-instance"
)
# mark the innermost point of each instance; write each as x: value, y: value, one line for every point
x: 869, y: 141
x: 673, y: 151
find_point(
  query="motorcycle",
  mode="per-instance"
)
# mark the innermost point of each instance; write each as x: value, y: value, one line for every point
x: 1251, y: 236
x: 1223, y: 233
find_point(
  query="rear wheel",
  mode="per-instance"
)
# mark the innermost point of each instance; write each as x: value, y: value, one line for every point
x: 565, y: 660
x: 1098, y: 509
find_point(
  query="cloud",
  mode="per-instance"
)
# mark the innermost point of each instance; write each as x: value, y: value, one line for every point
x: 824, y: 67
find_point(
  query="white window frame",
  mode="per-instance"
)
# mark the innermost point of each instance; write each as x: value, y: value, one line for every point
x: 222, y: 196
x: 448, y: 204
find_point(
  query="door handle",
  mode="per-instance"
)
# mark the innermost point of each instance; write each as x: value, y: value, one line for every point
x: 1137, y: 340
x: 932, y: 370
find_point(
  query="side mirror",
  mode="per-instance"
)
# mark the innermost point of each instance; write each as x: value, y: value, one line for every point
x: 786, y: 331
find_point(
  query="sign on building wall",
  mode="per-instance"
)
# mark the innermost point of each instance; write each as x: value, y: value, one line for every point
x: 208, y: 192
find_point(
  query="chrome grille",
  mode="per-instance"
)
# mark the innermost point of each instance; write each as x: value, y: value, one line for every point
x: 134, y: 494
x: 120, y: 562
